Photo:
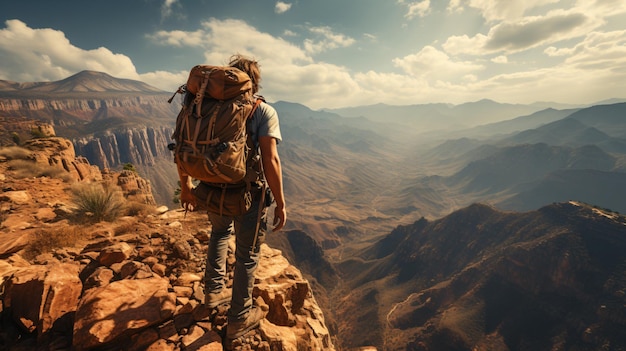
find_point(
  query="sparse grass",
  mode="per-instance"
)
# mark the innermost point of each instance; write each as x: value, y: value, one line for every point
x: 32, y: 169
x: 46, y: 240
x: 124, y: 228
x: 20, y: 162
x: 135, y: 208
x: 97, y: 202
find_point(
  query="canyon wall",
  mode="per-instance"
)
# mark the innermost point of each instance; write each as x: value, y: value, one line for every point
x: 139, y: 146
x: 67, y: 111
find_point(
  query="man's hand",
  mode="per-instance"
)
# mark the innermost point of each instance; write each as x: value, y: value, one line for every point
x: 187, y: 200
x: 280, y: 218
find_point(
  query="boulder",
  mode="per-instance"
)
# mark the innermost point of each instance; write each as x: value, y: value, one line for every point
x: 115, y: 254
x: 13, y: 242
x: 40, y: 295
x: 120, y: 309
x: 18, y: 197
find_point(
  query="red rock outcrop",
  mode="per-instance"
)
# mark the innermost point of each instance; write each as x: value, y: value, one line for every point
x: 140, y: 306
x: 39, y: 296
x: 59, y: 152
x: 134, y: 284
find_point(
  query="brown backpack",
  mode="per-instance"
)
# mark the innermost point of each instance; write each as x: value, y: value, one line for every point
x: 210, y: 135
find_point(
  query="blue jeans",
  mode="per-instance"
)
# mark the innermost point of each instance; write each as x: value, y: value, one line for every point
x: 246, y: 253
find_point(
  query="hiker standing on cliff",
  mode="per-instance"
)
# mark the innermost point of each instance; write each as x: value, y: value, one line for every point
x: 250, y: 227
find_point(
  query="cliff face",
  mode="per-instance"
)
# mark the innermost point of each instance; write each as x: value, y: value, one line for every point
x: 70, y: 111
x: 143, y: 147
x: 110, y: 121
x: 139, y: 146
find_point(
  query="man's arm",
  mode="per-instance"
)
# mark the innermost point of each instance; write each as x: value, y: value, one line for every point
x: 274, y: 176
x: 187, y: 200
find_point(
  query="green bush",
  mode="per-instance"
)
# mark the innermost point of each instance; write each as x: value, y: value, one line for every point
x: 176, y: 198
x: 16, y: 138
x: 98, y: 202
x: 130, y: 167
x: 37, y: 134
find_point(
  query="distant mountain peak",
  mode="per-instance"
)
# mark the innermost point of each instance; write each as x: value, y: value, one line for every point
x: 94, y: 81
x: 89, y: 75
x: 86, y: 81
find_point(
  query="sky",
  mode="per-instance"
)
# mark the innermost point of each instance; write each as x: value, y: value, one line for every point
x: 334, y: 53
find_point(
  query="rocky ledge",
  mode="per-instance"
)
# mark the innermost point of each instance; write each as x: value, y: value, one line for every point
x: 143, y: 291
x: 131, y: 284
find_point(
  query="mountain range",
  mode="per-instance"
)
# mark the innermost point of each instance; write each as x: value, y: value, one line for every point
x: 484, y: 279
x: 408, y: 219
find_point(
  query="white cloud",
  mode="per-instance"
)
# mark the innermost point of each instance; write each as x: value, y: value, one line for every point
x: 167, y: 81
x: 179, y: 38
x: 463, y: 44
x: 317, y: 83
x: 371, y: 37
x: 592, y: 70
x: 389, y: 87
x: 29, y: 55
x: 325, y: 40
x: 435, y: 65
x: 602, y: 7
x: 525, y: 33
x: 421, y: 9
x: 221, y: 38
x: 500, y: 59
x: 534, y: 31
x: 598, y: 52
x: 282, y: 7
x: 494, y: 10
x: 431, y: 74
x: 166, y: 8
x: 455, y: 6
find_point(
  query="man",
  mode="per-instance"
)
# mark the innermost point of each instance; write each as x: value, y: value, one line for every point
x: 249, y: 229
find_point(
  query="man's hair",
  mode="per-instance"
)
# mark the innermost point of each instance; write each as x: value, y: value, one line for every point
x: 250, y: 66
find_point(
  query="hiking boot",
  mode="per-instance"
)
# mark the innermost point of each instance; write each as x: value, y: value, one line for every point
x: 238, y: 328
x: 212, y: 300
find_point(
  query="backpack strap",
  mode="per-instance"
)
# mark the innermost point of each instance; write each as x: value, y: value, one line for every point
x: 200, y: 93
x: 258, y: 102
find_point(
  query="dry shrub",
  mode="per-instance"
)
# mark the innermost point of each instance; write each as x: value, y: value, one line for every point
x: 98, y: 202
x: 3, y: 216
x: 125, y: 228
x: 136, y: 208
x: 48, y: 239
x: 32, y: 169
x: 23, y: 166
x: 14, y: 153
